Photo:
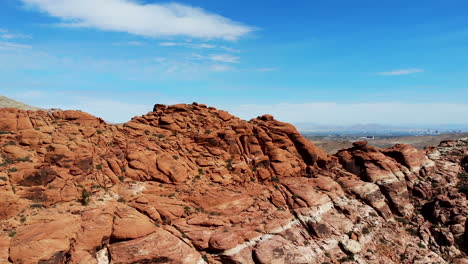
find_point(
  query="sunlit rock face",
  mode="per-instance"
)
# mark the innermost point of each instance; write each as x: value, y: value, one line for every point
x: 193, y: 184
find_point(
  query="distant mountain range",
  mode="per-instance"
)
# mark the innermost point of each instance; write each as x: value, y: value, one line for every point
x: 6, y: 102
x: 379, y: 128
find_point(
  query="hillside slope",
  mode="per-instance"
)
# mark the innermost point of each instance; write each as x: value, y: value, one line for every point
x: 6, y: 102
x: 193, y: 184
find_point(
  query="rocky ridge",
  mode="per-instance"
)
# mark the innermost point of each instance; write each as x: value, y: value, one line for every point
x: 193, y: 184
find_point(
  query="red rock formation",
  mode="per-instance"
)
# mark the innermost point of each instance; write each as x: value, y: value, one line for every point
x: 192, y: 184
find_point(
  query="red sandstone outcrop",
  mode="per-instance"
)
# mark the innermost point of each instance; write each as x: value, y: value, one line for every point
x: 192, y: 184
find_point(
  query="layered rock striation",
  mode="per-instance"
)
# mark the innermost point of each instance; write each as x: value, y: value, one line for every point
x: 193, y: 184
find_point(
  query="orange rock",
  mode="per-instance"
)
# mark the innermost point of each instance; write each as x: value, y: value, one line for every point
x: 188, y: 181
x: 160, y: 246
x: 130, y: 224
x: 47, y: 240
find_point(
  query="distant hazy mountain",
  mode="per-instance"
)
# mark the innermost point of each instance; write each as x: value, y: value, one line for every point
x: 6, y: 102
x: 372, y: 128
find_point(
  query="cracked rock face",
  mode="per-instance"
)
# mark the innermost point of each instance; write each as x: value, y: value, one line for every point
x: 192, y: 184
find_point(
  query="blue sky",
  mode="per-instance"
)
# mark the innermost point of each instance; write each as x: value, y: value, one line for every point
x: 334, y: 62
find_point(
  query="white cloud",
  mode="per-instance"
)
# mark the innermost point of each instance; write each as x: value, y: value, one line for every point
x: 130, y: 43
x: 14, y: 36
x: 230, y: 49
x: 266, y: 69
x: 224, y: 58
x: 169, y: 44
x: 400, y: 72
x: 188, y: 44
x: 220, y: 68
x: 6, y: 34
x: 135, y: 17
x: 387, y: 113
x: 11, y: 45
x: 205, y: 46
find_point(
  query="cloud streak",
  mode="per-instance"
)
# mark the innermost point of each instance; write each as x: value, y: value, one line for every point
x: 7, y: 35
x: 11, y: 45
x: 187, y: 44
x: 400, y: 72
x: 266, y: 69
x: 224, y: 58
x: 149, y: 20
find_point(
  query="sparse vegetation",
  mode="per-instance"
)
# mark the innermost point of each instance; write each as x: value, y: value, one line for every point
x: 99, y: 131
x: 121, y: 200
x: 366, y: 230
x: 99, y: 166
x: 13, y: 169
x: 3, y: 178
x: 85, y: 197
x: 463, y: 184
x: 229, y: 164
x: 6, y: 161
x: 122, y: 178
x: 175, y: 157
x: 402, y: 220
x: 275, y: 179
x: 412, y: 231
x: 159, y: 135
x: 25, y: 159
x: 36, y: 206
x: 347, y: 258
x: 12, y: 234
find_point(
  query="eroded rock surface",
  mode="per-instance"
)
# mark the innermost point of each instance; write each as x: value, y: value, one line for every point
x: 192, y: 184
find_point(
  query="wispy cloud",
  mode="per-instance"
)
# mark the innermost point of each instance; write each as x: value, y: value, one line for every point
x: 266, y: 69
x: 400, y: 72
x: 224, y: 58
x: 230, y: 49
x: 135, y: 17
x: 191, y: 45
x: 220, y: 68
x: 130, y: 43
x: 7, y: 35
x: 11, y: 45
